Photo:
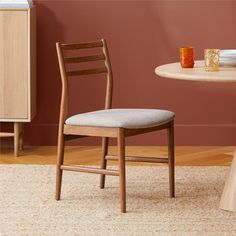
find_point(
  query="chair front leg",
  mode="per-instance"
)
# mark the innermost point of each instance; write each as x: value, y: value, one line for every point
x: 121, y: 157
x: 171, y: 159
x: 60, y: 158
x: 105, y: 143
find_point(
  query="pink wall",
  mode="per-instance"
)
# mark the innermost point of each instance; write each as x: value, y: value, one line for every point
x: 141, y: 35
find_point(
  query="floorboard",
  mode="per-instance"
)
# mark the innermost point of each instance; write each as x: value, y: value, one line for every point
x: 90, y: 155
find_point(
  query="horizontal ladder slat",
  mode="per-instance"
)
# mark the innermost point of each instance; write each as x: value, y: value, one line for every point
x: 84, y: 59
x: 87, y: 72
x: 82, y: 45
x: 139, y: 159
x: 6, y: 134
x: 89, y: 170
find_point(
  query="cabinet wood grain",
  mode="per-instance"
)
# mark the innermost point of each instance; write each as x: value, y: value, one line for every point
x: 17, y: 70
x: 17, y: 65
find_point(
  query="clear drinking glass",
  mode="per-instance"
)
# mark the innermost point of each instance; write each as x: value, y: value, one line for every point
x: 212, y: 57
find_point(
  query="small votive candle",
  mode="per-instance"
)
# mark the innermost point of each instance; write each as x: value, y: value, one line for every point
x: 212, y: 57
x: 187, y: 57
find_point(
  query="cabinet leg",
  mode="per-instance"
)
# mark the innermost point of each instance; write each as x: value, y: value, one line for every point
x: 21, y: 136
x: 16, y: 138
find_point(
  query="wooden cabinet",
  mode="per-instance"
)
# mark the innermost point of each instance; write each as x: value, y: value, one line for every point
x: 17, y: 65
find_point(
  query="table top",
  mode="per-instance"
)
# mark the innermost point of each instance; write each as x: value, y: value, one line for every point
x: 198, y: 73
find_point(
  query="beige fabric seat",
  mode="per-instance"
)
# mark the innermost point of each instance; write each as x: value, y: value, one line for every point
x: 122, y: 118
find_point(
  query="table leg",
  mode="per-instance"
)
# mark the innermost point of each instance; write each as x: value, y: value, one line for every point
x: 228, y: 198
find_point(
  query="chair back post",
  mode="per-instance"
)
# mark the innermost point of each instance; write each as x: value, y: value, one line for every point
x: 64, y: 97
x: 109, y: 88
x: 63, y: 61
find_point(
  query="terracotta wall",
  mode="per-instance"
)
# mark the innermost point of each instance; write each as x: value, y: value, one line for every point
x: 141, y: 35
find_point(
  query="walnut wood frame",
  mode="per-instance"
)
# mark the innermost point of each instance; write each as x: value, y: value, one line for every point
x: 68, y: 132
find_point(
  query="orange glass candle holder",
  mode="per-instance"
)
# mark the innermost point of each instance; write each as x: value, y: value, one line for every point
x: 187, y: 57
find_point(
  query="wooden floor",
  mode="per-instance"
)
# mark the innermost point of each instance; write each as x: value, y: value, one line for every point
x: 90, y: 155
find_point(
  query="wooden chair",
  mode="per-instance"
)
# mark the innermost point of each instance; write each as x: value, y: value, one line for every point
x: 108, y: 123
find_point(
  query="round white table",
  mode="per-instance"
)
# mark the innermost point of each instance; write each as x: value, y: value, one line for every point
x: 198, y: 73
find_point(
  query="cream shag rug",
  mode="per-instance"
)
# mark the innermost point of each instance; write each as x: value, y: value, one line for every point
x: 27, y: 205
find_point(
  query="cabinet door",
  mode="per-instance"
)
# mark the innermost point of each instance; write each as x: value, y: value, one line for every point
x: 13, y: 64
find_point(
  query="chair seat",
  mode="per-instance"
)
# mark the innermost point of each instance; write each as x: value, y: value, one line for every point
x: 122, y: 118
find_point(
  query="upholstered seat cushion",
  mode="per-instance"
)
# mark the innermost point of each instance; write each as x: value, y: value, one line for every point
x: 123, y: 118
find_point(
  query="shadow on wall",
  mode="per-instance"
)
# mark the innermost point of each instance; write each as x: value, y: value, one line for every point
x: 47, y: 107
x: 49, y: 31
x: 141, y: 35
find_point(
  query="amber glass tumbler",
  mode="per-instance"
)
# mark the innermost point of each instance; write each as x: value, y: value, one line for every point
x: 187, y: 57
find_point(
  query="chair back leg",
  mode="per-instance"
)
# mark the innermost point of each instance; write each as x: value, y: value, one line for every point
x: 121, y: 158
x: 105, y: 143
x: 171, y: 159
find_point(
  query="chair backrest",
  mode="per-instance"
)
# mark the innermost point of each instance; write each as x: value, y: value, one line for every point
x: 65, y: 62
